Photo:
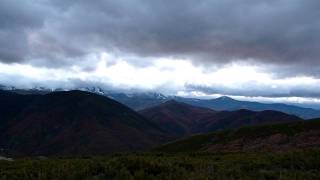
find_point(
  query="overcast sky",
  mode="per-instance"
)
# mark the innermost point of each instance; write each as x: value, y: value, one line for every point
x: 253, y: 49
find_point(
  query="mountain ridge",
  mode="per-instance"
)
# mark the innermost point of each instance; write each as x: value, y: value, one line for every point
x: 182, y: 119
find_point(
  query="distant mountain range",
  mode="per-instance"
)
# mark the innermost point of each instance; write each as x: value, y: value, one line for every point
x: 139, y: 101
x: 181, y: 119
x: 72, y: 123
x: 227, y: 103
x: 267, y: 138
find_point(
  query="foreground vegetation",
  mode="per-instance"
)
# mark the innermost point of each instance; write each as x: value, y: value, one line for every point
x: 291, y: 165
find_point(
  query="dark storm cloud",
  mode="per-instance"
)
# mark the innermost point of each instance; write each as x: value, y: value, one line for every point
x: 17, y: 18
x: 57, y: 32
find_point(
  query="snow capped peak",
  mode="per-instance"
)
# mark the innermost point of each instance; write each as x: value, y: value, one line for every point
x: 155, y: 95
x: 93, y: 89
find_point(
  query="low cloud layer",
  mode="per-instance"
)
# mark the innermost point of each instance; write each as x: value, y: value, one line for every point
x: 163, y: 75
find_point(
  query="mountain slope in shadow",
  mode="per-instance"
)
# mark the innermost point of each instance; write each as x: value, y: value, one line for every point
x: 71, y: 123
x: 177, y: 118
x: 266, y: 138
x: 182, y: 119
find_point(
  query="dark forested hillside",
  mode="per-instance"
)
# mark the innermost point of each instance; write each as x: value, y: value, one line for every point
x: 267, y: 138
x: 182, y: 119
x: 72, y: 122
